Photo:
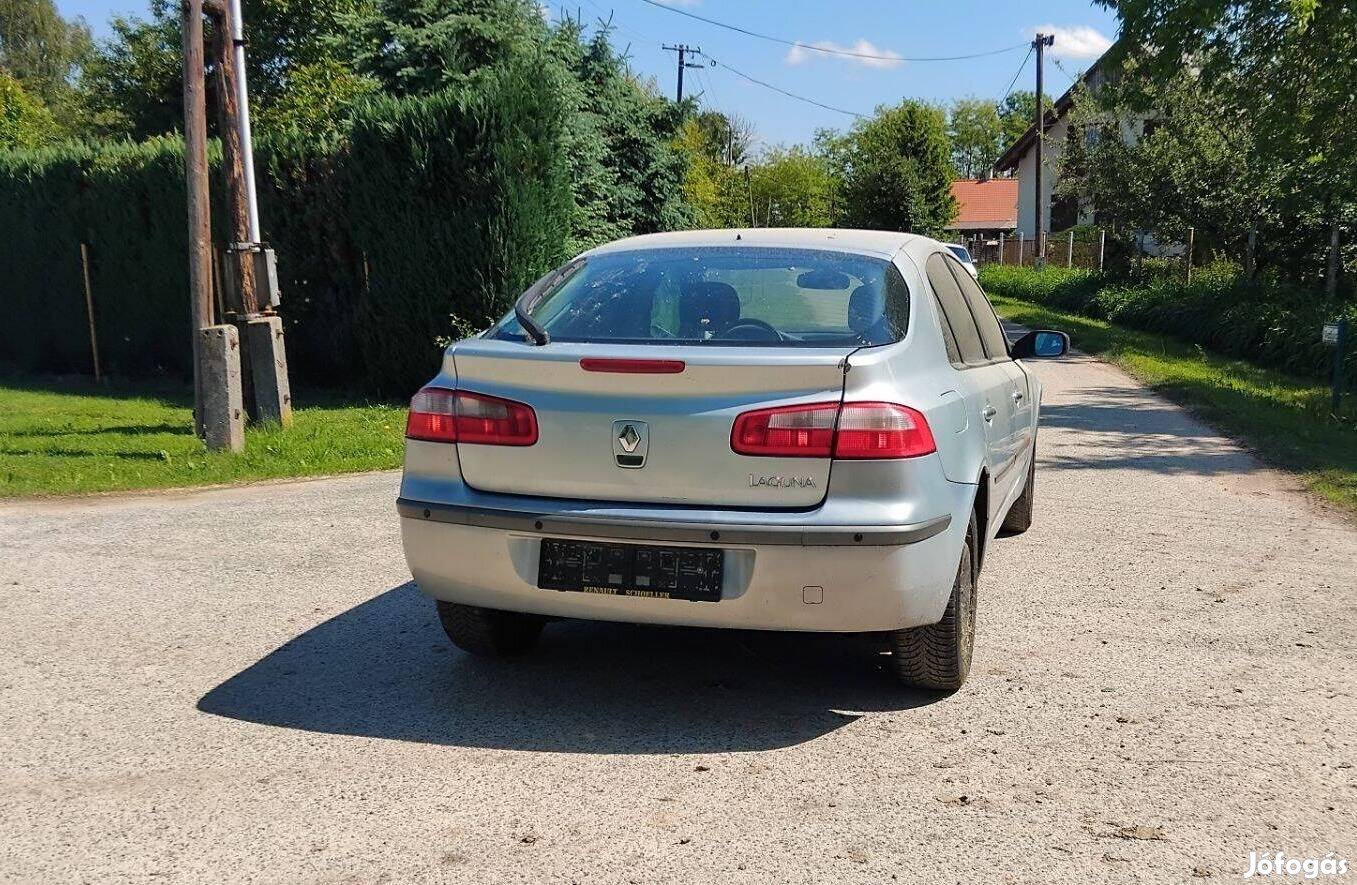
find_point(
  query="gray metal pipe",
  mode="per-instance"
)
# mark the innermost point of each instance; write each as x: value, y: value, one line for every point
x: 243, y: 114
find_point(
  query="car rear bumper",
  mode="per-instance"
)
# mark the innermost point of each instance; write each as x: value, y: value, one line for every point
x: 840, y: 578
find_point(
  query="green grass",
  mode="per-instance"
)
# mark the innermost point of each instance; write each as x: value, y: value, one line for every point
x: 1286, y: 420
x: 69, y: 435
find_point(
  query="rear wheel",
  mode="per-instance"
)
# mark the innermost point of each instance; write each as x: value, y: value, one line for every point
x: 938, y: 656
x: 489, y: 632
x: 1019, y: 518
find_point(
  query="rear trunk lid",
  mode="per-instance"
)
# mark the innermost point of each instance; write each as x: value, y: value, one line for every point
x: 654, y: 437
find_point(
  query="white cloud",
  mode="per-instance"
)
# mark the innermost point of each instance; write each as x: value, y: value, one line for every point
x: 880, y: 58
x: 1077, y: 42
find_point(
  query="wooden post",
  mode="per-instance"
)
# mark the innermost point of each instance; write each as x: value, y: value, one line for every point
x: 1331, y: 272
x: 195, y: 175
x: 244, y: 300
x: 749, y: 184
x: 1102, y: 248
x: 1069, y: 250
x: 1191, y: 239
x: 89, y: 310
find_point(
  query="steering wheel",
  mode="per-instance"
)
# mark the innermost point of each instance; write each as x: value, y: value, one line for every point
x: 742, y: 330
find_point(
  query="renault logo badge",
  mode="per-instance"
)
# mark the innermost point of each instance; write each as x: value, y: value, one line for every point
x: 631, y: 442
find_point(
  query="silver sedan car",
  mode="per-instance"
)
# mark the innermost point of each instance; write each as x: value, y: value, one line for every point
x: 816, y: 430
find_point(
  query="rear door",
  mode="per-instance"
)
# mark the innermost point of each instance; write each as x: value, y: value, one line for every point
x: 992, y: 405
x: 1021, y: 423
x: 680, y: 416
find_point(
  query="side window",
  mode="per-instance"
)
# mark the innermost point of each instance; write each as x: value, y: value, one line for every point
x: 948, y: 339
x: 991, y: 332
x: 954, y: 308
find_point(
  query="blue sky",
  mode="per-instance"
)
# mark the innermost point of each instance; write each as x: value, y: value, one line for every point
x: 905, y: 28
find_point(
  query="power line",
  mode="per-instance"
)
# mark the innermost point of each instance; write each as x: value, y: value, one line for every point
x: 1016, y: 75
x: 1063, y: 70
x: 779, y: 89
x: 612, y: 22
x: 813, y: 48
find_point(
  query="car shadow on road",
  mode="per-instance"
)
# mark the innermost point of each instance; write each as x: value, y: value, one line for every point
x: 384, y: 669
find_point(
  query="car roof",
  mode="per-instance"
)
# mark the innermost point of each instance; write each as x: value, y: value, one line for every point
x: 870, y: 242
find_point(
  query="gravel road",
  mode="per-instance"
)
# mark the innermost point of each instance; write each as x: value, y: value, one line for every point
x: 240, y: 685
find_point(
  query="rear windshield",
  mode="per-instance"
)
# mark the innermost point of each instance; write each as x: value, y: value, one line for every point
x: 725, y: 295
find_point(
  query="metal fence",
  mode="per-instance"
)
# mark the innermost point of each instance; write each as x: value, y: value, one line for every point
x: 1061, y: 249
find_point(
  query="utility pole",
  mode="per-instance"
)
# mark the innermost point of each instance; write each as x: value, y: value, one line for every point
x: 268, y: 395
x: 218, y: 415
x: 1040, y: 44
x: 683, y: 49
x: 242, y: 299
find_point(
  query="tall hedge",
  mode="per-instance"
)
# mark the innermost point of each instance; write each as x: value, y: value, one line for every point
x: 126, y: 201
x: 457, y: 202
x: 421, y: 225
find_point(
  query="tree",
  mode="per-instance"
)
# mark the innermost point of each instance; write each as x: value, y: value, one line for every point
x: 626, y: 171
x: 977, y: 135
x: 132, y: 84
x: 43, y: 51
x: 729, y: 137
x: 25, y: 122
x: 792, y: 187
x: 1288, y: 67
x: 1191, y: 167
x: 297, y: 65
x: 422, y: 46
x: 1016, y: 113
x: 896, y: 170
x: 714, y: 189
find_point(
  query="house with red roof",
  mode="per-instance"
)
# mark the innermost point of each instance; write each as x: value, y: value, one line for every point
x: 986, y: 207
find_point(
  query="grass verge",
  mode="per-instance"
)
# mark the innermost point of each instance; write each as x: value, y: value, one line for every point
x: 1286, y: 420
x: 69, y: 435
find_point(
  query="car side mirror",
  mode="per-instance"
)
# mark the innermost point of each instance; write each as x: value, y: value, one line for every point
x: 1040, y: 344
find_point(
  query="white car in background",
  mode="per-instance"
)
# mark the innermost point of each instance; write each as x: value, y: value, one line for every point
x: 963, y: 255
x: 818, y: 430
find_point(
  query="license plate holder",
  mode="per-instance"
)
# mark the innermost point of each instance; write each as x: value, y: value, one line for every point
x: 641, y: 570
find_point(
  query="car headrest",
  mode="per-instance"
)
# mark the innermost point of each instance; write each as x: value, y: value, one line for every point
x: 707, y: 307
x: 865, y: 307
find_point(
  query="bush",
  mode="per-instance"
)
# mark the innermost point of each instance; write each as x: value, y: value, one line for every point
x: 458, y: 202
x: 1267, y: 321
x: 440, y: 206
x: 127, y: 202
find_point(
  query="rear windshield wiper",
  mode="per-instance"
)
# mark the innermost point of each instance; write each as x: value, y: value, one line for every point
x: 529, y: 299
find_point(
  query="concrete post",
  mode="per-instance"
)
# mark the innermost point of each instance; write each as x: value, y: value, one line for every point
x: 223, y: 413
x: 268, y: 369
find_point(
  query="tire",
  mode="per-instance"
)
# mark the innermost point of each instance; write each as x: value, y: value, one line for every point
x: 488, y: 632
x: 1019, y: 518
x: 938, y: 656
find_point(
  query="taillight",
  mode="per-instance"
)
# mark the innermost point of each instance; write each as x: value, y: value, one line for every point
x: 787, y: 431
x: 882, y: 430
x: 823, y: 430
x: 441, y: 415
